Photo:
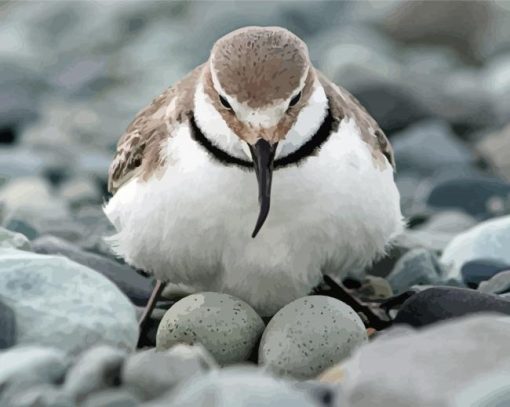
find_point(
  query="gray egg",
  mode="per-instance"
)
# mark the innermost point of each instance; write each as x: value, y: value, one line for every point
x: 309, y: 335
x: 226, y: 326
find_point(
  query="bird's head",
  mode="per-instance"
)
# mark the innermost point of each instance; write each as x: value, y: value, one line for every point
x: 254, y: 86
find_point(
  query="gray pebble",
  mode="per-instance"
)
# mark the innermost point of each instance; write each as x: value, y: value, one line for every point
x: 96, y: 369
x: 235, y: 387
x: 7, y: 326
x: 149, y: 374
x: 226, y: 326
x: 111, y: 398
x: 309, y: 335
x: 416, y: 267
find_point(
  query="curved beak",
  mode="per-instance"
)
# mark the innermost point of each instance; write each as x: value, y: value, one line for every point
x: 263, y: 157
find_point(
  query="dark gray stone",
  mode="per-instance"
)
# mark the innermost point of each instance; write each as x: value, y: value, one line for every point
x: 7, y: 326
x: 96, y: 369
x: 475, y: 271
x: 134, y: 285
x: 441, y: 303
x: 480, y: 197
x: 418, y: 266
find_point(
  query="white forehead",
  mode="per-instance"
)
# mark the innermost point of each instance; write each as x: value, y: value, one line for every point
x: 264, y: 117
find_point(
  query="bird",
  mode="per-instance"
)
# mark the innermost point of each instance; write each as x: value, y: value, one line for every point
x: 253, y: 176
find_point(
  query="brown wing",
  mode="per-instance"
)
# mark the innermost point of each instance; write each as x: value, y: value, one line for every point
x: 343, y: 104
x: 138, y: 150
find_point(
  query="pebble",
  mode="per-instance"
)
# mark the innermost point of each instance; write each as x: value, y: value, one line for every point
x: 20, y: 226
x: 475, y: 271
x: 442, y: 303
x: 409, y: 369
x: 96, y: 369
x: 429, y: 146
x: 487, y: 240
x: 111, y: 398
x: 418, y: 266
x: 226, y: 326
x: 9, y: 239
x: 18, y: 198
x: 236, y: 387
x: 56, y: 303
x: 149, y: 374
x: 137, y: 288
x: 41, y: 395
x: 495, y: 150
x: 309, y: 335
x: 7, y: 326
x: 80, y: 191
x: 498, y: 284
x: 32, y: 365
x: 480, y: 197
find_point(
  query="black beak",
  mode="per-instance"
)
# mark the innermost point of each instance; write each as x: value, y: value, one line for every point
x: 263, y: 157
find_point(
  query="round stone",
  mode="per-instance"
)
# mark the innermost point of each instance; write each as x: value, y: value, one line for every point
x: 310, y: 335
x: 226, y: 326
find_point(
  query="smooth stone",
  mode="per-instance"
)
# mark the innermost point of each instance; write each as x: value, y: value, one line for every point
x: 18, y: 197
x: 40, y: 395
x: 135, y: 286
x: 442, y: 303
x: 418, y: 266
x: 13, y: 240
x: 61, y: 303
x: 20, y: 226
x: 495, y: 150
x: 226, y: 326
x: 479, y: 197
x: 111, y: 398
x: 428, y: 146
x: 498, y: 284
x: 235, y: 387
x: 462, y: 362
x: 475, y: 271
x: 32, y: 365
x: 449, y: 24
x: 448, y: 221
x: 488, y: 240
x: 96, y: 369
x: 309, y: 335
x: 80, y: 190
x: 7, y: 326
x: 149, y: 374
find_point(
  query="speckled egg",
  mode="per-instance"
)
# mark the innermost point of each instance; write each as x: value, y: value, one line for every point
x: 226, y: 326
x: 310, y: 335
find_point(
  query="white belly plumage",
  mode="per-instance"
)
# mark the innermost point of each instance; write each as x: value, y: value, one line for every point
x: 334, y: 213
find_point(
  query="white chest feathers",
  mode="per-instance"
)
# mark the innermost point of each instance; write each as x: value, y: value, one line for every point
x: 334, y: 213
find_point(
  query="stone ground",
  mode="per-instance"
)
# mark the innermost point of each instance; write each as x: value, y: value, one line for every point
x: 436, y: 75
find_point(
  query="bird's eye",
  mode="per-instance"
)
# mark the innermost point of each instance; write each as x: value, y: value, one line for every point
x: 225, y: 103
x: 295, y: 99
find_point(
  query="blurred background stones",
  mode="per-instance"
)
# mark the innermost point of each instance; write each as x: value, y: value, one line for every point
x: 435, y: 75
